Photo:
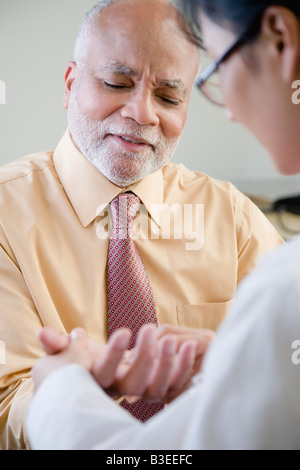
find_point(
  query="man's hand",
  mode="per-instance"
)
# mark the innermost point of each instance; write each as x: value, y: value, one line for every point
x: 159, y: 367
x: 153, y: 367
x: 202, y: 338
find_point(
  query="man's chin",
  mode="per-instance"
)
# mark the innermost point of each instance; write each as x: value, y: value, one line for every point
x: 131, y: 174
x: 122, y: 182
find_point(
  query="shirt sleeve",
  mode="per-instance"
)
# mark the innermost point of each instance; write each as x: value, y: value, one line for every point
x: 248, y: 397
x: 256, y: 235
x: 19, y: 323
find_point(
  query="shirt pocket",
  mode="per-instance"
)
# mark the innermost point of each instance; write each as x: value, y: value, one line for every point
x: 208, y: 315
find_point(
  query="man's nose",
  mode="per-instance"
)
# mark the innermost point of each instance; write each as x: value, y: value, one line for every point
x: 141, y: 108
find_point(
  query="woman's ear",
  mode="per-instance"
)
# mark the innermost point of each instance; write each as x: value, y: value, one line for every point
x: 70, y: 76
x: 282, y: 28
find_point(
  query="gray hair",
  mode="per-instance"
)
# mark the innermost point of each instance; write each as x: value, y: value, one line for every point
x: 86, y: 29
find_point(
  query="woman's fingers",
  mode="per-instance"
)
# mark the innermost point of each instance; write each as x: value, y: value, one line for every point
x: 52, y: 341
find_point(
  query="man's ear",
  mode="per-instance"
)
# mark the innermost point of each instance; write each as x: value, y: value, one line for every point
x: 281, y: 27
x: 70, y: 76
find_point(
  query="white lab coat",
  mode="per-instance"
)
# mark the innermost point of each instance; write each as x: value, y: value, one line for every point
x: 248, y: 396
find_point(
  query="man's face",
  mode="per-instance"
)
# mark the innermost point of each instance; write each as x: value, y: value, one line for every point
x: 128, y: 104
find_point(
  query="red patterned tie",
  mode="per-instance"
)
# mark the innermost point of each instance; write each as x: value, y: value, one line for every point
x: 130, y: 301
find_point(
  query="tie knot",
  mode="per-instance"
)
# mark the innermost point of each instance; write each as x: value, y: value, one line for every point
x: 123, y: 211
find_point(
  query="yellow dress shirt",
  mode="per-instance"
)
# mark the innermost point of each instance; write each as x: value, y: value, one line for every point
x: 54, y: 214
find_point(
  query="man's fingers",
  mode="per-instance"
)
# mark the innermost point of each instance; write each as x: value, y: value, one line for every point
x: 176, y: 379
x: 203, y: 337
x: 104, y: 369
x: 173, y: 369
x: 135, y: 379
x: 184, y: 366
x: 161, y: 375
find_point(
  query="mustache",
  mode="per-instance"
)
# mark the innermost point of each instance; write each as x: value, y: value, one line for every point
x: 130, y: 130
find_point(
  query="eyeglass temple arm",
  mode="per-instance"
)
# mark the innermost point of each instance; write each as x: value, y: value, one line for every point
x: 215, y: 65
x: 206, y: 74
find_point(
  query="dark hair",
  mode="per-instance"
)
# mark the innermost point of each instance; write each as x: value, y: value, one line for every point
x: 239, y: 15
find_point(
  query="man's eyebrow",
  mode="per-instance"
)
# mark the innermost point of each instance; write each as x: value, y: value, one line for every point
x: 117, y: 67
x: 176, y: 84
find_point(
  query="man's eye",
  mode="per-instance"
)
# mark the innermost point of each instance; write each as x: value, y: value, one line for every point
x: 170, y: 101
x: 113, y: 85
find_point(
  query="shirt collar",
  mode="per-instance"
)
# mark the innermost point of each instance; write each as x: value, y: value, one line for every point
x: 88, y: 190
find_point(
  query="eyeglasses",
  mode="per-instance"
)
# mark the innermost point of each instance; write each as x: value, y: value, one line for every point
x: 209, y: 82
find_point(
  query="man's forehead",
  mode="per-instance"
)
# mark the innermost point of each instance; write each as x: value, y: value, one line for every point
x: 145, y: 17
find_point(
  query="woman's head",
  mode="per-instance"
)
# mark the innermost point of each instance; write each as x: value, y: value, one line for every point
x: 257, y: 76
x: 236, y: 14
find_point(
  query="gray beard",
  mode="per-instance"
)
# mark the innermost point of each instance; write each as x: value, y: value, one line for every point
x: 119, y: 166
